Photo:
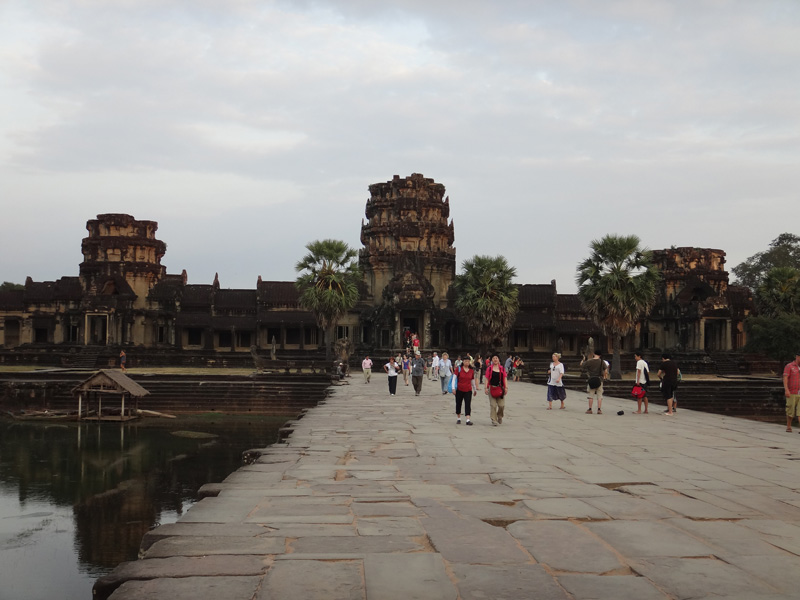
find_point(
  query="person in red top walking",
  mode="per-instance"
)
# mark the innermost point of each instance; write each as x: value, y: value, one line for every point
x: 791, y: 389
x: 465, y: 386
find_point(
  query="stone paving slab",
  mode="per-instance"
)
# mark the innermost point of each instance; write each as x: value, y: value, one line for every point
x: 372, y: 497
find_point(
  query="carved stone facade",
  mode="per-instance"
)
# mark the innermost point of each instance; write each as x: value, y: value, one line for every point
x: 696, y: 308
x: 408, y: 261
x: 124, y: 296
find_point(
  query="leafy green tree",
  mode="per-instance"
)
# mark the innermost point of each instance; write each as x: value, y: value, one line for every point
x: 617, y: 287
x: 779, y: 292
x: 7, y: 286
x: 783, y: 251
x: 777, y: 337
x: 486, y: 299
x: 328, y: 283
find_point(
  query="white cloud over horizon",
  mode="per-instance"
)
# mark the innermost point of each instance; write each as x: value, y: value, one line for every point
x: 248, y: 128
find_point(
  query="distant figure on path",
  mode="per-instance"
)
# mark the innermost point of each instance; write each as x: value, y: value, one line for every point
x: 123, y: 359
x: 417, y: 372
x: 668, y: 374
x: 429, y: 366
x: 643, y: 380
x: 595, y: 368
x: 435, y: 365
x: 791, y: 389
x: 406, y: 368
x: 465, y: 386
x: 496, y: 389
x: 391, y: 369
x: 555, y: 387
x: 366, y: 366
x: 445, y: 371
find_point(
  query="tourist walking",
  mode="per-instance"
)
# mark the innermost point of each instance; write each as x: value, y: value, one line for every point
x: 428, y: 366
x: 391, y: 369
x: 643, y: 381
x: 445, y: 371
x: 123, y: 359
x: 496, y: 389
x: 555, y: 387
x: 406, y: 368
x: 595, y: 369
x: 509, y: 363
x: 435, y: 365
x: 366, y: 366
x: 477, y: 364
x: 668, y: 374
x: 417, y: 372
x: 791, y: 389
x: 517, y: 366
x: 465, y: 386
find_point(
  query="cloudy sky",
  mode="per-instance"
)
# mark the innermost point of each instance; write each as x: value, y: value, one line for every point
x: 248, y: 128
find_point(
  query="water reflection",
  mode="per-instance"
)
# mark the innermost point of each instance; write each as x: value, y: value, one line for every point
x: 76, y: 499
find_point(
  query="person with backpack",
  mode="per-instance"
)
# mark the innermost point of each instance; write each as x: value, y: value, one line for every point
x: 465, y: 387
x: 643, y: 381
x: 496, y: 389
x: 595, y: 368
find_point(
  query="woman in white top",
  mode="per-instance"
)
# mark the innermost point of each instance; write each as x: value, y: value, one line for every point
x: 555, y: 387
x: 391, y: 369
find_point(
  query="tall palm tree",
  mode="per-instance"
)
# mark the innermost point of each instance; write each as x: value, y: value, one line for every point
x: 779, y: 293
x: 486, y: 299
x: 617, y: 287
x: 328, y: 283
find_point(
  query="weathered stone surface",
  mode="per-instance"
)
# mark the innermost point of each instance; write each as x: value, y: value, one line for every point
x: 468, y: 540
x: 604, y: 587
x: 389, y: 526
x: 356, y: 544
x: 562, y: 508
x: 313, y: 580
x: 511, y: 582
x: 206, y: 546
x: 644, y: 538
x: 565, y: 546
x: 407, y: 577
x: 701, y: 578
x: 188, y: 588
x: 155, y: 568
x: 213, y: 530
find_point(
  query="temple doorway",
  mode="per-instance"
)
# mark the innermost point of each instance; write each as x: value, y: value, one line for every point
x: 96, y: 330
x: 410, y: 326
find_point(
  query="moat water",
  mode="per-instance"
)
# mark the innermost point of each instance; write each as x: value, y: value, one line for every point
x: 76, y: 499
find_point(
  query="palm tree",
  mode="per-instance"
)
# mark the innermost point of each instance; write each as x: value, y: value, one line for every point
x: 617, y: 287
x: 486, y: 299
x: 779, y: 293
x: 328, y: 283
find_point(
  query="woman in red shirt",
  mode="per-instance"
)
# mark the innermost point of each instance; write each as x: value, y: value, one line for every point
x: 465, y: 377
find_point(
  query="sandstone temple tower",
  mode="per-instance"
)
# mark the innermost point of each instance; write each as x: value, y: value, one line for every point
x: 408, y: 258
x: 121, y: 264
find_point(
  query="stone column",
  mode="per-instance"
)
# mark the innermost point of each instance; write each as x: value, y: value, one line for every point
x: 702, y: 344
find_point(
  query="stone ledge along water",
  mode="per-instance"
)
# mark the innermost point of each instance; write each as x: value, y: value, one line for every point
x: 382, y: 497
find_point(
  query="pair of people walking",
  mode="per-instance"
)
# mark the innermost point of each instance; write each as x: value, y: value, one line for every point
x: 496, y: 389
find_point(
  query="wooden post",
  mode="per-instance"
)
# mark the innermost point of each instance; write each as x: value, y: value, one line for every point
x: 80, y: 404
x: 122, y: 411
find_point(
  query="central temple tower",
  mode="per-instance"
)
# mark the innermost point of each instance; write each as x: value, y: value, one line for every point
x: 408, y: 259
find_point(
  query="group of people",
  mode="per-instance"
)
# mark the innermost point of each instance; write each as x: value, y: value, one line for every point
x: 467, y: 374
x: 597, y: 371
x: 462, y: 378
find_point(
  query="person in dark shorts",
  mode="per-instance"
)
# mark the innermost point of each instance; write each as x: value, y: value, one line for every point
x: 668, y: 374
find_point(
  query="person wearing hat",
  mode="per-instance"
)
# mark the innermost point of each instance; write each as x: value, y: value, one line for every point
x: 791, y: 389
x: 417, y: 372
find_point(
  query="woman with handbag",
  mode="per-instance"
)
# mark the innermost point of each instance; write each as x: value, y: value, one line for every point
x: 496, y: 389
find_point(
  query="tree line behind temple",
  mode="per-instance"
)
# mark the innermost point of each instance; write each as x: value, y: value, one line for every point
x: 617, y: 285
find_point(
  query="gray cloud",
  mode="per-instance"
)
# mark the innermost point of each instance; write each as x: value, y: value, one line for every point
x: 249, y: 128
